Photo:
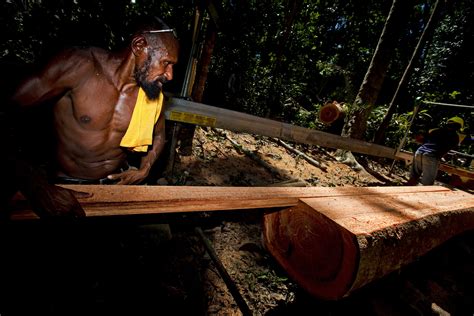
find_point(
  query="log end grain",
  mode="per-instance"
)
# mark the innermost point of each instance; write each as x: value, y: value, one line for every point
x: 317, y: 253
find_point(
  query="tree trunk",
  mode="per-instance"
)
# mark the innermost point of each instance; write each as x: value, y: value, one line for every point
x: 204, y: 63
x: 356, y: 123
x: 425, y: 36
x: 187, y: 130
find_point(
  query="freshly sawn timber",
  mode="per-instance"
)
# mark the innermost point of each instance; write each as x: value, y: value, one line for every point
x: 122, y: 200
x: 334, y: 245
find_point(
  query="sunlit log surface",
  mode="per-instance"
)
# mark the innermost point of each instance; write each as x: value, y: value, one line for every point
x: 122, y: 200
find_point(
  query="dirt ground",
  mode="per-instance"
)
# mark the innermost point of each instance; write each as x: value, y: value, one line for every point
x: 127, y: 267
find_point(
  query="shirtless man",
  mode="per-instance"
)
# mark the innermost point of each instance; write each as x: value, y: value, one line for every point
x: 95, y: 92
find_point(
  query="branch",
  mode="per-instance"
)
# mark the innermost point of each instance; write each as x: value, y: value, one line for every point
x: 300, y: 153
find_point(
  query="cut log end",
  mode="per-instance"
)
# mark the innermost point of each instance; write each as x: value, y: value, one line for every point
x: 330, y: 112
x: 317, y: 253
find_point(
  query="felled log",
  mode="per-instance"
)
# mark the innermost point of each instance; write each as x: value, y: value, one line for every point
x: 332, y: 246
x: 331, y: 112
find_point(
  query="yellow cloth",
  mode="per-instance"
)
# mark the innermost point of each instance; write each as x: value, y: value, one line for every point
x: 140, y: 130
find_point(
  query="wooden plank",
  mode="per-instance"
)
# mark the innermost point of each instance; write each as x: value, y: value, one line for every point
x: 457, y: 171
x: 201, y: 114
x: 334, y: 245
x: 120, y: 200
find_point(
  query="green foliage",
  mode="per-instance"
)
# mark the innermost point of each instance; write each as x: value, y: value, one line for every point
x: 307, y: 119
x: 327, y: 43
x: 448, y: 71
x: 37, y: 29
x: 400, y: 126
x: 375, y: 118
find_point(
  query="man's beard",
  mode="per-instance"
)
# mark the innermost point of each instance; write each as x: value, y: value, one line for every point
x: 152, y: 88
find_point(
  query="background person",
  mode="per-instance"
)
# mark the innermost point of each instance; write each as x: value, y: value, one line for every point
x: 435, y: 145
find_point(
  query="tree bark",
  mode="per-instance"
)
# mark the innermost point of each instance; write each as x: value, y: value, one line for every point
x: 204, y: 63
x: 356, y: 123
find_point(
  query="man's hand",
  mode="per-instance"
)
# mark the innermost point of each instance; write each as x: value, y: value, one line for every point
x: 131, y: 176
x: 53, y: 201
x: 47, y: 200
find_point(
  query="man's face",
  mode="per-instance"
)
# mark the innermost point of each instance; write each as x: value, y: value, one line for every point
x: 156, y: 71
x: 152, y: 87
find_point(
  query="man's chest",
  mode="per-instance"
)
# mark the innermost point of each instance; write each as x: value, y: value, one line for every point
x: 101, y: 106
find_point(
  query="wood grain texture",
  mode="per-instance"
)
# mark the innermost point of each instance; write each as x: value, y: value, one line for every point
x: 115, y: 200
x: 455, y: 170
x: 334, y: 245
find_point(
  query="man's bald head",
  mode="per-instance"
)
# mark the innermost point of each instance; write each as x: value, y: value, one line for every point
x: 156, y: 49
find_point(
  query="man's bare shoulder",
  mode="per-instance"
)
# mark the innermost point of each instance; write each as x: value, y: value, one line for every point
x: 80, y: 62
x: 88, y: 55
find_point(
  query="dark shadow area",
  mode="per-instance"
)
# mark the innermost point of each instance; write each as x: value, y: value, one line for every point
x: 110, y: 267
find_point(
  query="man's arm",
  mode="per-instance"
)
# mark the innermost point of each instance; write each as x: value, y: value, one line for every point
x: 63, y: 73
x: 159, y: 139
x: 57, y: 78
x: 147, y: 161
